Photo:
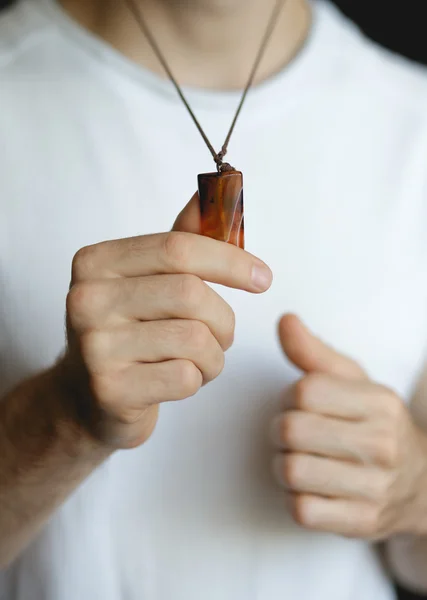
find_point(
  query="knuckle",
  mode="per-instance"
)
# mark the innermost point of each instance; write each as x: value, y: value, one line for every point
x: 383, y: 450
x: 76, y: 301
x: 200, y: 335
x: 289, y: 429
x: 191, y: 291
x: 93, y: 348
x: 176, y: 250
x: 293, y: 471
x: 189, y: 378
x: 305, y: 390
x: 219, y: 363
x: 229, y: 328
x: 302, y: 511
x: 110, y: 394
x: 82, y: 264
x: 83, y: 300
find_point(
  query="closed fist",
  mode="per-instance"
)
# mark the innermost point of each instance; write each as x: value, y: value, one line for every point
x: 145, y: 328
x: 350, y: 455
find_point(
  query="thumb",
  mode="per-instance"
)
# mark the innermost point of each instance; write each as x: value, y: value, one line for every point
x: 188, y: 219
x: 310, y: 354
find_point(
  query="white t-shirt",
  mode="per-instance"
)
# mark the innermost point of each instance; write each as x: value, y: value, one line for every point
x: 334, y: 153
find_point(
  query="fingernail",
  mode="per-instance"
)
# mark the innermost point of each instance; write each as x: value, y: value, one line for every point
x: 261, y: 277
x: 276, y: 429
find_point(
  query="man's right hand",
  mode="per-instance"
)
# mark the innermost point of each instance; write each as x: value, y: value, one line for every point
x: 145, y: 328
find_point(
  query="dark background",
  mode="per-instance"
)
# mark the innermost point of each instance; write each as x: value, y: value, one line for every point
x: 397, y: 24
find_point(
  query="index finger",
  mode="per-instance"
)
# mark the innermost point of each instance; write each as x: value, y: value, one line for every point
x: 173, y: 252
x: 335, y: 397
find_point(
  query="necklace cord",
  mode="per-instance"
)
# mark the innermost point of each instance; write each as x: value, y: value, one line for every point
x: 217, y: 156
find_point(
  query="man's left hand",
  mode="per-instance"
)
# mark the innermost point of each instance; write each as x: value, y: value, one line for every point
x: 350, y: 455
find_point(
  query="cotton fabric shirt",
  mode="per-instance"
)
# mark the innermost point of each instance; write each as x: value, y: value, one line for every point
x: 334, y: 154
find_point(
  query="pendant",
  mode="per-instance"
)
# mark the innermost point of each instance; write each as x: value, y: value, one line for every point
x: 221, y: 206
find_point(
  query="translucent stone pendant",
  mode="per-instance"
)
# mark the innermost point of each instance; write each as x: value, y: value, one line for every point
x: 221, y: 205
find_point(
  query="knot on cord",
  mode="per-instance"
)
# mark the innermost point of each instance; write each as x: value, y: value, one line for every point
x: 219, y: 160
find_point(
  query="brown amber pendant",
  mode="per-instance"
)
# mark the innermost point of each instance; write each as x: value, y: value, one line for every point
x: 221, y: 206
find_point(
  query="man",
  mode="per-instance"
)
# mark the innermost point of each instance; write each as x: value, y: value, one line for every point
x: 97, y: 147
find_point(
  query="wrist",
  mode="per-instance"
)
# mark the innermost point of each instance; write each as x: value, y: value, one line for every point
x: 37, y: 429
x: 73, y: 412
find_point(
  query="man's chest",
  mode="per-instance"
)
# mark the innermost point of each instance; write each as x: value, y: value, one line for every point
x: 343, y: 238
x: 358, y: 283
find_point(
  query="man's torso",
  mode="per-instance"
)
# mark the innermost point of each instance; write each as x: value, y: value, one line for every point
x: 335, y: 190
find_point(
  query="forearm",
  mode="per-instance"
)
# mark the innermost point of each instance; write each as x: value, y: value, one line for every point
x: 44, y: 456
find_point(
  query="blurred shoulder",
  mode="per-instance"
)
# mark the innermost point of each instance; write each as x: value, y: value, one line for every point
x: 23, y: 31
